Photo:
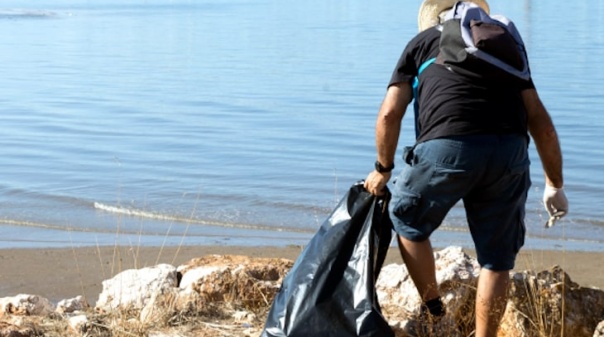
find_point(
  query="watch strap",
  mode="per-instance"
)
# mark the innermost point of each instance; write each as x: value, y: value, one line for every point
x: 382, y: 169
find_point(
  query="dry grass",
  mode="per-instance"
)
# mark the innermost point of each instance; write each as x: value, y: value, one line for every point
x: 237, y: 315
x: 211, y: 319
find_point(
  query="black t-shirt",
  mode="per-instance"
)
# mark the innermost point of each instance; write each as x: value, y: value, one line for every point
x: 451, y: 104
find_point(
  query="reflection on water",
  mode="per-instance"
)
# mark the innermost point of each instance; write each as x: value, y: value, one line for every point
x: 243, y: 121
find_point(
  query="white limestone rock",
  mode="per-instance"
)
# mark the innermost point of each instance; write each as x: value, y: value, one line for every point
x: 133, y: 288
x: 25, y: 305
x: 77, y: 323
x: 456, y: 275
x: 599, y: 330
x: 549, y: 301
x: 71, y: 305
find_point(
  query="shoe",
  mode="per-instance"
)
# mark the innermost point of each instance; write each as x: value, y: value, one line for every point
x: 428, y: 325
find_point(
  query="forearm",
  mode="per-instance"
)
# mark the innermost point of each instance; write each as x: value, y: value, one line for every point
x: 546, y: 140
x: 387, y: 129
x: 388, y: 124
x: 386, y: 138
x: 548, y: 147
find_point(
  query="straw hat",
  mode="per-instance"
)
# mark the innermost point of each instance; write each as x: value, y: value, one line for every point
x: 431, y: 9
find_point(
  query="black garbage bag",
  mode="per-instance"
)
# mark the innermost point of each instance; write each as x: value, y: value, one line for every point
x: 330, y: 290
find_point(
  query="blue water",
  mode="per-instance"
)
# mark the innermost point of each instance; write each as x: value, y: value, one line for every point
x: 245, y: 122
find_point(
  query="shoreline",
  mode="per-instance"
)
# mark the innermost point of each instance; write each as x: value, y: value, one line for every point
x: 62, y: 273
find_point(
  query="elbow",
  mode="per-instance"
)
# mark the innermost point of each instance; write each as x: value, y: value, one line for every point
x: 543, y: 129
x: 395, y: 103
x: 389, y: 119
x: 391, y: 115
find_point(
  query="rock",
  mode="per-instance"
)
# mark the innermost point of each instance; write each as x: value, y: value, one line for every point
x: 244, y: 281
x: 78, y: 323
x: 10, y: 330
x: 25, y: 305
x: 236, y: 288
x: 133, y: 288
x: 171, y: 303
x: 599, y: 330
x: 239, y: 280
x: 157, y: 308
x: 244, y: 316
x: 549, y: 303
x: 216, y: 279
x: 71, y: 305
x: 193, y: 275
x: 457, y: 276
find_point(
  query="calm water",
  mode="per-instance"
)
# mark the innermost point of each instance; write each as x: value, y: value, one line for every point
x: 245, y: 122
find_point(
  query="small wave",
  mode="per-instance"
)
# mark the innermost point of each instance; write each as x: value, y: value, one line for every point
x: 23, y: 223
x: 31, y: 224
x: 26, y: 14
x: 164, y: 217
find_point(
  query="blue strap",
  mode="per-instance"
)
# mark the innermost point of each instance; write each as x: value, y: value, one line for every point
x: 419, y: 71
x: 415, y: 87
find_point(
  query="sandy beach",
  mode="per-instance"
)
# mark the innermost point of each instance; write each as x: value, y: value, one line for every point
x: 65, y: 273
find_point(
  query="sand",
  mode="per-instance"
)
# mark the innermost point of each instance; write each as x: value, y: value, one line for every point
x: 65, y: 273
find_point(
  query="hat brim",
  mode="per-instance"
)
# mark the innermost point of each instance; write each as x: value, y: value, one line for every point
x: 430, y: 9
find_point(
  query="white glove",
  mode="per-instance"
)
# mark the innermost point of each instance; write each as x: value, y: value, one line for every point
x: 555, y: 203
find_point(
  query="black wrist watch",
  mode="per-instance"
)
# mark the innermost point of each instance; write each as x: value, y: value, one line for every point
x: 382, y: 169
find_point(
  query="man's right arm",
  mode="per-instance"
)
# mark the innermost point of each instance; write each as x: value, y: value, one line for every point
x: 387, y: 130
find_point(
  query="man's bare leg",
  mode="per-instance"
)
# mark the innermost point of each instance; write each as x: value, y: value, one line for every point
x: 491, y: 300
x: 419, y: 259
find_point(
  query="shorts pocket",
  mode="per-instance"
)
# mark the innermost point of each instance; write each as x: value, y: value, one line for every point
x: 519, y: 173
x: 520, y: 167
x: 520, y: 232
x: 453, y: 182
x: 405, y: 206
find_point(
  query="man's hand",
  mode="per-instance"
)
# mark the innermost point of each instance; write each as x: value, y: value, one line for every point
x: 376, y: 182
x: 555, y: 202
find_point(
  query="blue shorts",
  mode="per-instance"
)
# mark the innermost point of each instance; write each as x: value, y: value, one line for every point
x: 489, y: 173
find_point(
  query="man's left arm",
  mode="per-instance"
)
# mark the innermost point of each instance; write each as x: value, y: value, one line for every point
x: 544, y: 134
